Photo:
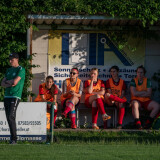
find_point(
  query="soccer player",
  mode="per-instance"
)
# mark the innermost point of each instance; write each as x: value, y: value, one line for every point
x: 115, y: 91
x: 48, y: 93
x: 140, y: 88
x: 13, y: 83
x: 94, y: 96
x: 72, y: 91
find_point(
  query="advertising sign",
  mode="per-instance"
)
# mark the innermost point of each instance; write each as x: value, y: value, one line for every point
x: 30, y: 121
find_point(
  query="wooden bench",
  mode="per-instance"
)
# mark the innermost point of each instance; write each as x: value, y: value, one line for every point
x: 113, y: 109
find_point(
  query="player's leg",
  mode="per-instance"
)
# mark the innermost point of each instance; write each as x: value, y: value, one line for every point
x: 121, y: 112
x: 154, y: 107
x: 135, y: 112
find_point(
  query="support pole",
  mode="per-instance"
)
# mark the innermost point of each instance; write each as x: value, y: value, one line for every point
x: 52, y: 122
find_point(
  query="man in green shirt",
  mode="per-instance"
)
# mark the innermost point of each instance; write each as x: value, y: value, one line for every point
x: 13, y: 83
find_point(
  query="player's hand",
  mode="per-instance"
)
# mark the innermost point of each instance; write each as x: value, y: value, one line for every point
x: 72, y: 92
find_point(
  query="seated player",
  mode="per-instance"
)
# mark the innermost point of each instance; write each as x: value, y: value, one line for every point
x: 72, y: 91
x: 94, y: 91
x: 48, y: 93
x: 141, y: 92
x: 115, y: 91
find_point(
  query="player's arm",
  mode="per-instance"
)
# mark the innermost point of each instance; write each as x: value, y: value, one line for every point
x: 123, y: 90
x: 123, y: 94
x: 101, y: 92
x: 108, y: 88
x: 16, y: 80
x: 136, y: 93
x: 7, y: 83
x: 65, y: 93
x: 43, y: 98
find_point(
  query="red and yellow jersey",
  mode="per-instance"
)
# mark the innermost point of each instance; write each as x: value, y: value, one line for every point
x: 75, y: 88
x: 46, y: 92
x: 96, y: 87
x: 116, y: 90
x: 142, y: 87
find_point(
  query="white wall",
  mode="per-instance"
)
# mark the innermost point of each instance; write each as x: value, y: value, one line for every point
x: 40, y: 47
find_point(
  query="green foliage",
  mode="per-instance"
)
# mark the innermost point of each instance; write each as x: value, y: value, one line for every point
x: 14, y: 23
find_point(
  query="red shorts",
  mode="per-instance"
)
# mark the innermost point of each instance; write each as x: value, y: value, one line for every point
x: 87, y: 104
x: 143, y: 104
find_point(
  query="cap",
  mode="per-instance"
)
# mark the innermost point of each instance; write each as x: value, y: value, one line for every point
x: 14, y: 55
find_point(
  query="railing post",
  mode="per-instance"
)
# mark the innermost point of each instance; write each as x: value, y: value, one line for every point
x: 51, y: 121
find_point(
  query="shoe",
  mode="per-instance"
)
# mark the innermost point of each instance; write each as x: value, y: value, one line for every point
x: 148, y: 125
x: 138, y: 125
x: 106, y: 117
x: 95, y: 127
x: 74, y: 126
x: 64, y: 115
x: 13, y: 142
x: 119, y: 126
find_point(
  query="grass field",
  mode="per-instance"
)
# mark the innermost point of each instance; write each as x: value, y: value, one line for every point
x: 88, y: 145
x: 80, y: 152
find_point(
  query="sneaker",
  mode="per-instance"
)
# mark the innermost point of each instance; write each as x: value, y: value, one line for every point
x: 119, y: 126
x: 74, y: 126
x: 106, y: 117
x: 95, y: 127
x: 13, y: 142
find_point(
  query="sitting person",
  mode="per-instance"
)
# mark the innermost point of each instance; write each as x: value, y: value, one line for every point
x: 140, y: 88
x: 72, y: 91
x: 94, y: 91
x: 48, y: 93
x: 115, y: 91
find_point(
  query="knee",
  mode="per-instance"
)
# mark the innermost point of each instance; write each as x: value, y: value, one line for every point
x: 156, y: 107
x: 94, y: 104
x: 107, y: 95
x: 135, y: 105
x: 11, y: 118
x: 97, y: 96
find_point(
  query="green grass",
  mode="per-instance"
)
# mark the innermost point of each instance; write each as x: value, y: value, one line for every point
x: 88, y: 145
x: 102, y: 137
x: 79, y: 152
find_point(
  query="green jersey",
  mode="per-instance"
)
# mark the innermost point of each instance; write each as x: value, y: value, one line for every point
x: 15, y: 91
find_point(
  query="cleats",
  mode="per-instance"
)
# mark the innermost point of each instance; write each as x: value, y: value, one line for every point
x: 138, y: 125
x: 74, y: 126
x: 106, y: 117
x: 119, y: 126
x: 13, y: 142
x: 95, y: 127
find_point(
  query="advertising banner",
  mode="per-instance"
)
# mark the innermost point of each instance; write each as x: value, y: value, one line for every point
x: 30, y: 120
x: 86, y: 50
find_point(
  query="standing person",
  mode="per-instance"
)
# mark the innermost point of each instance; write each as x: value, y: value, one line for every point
x: 48, y: 93
x: 94, y: 91
x: 72, y: 91
x: 141, y: 91
x: 115, y: 91
x: 13, y: 83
